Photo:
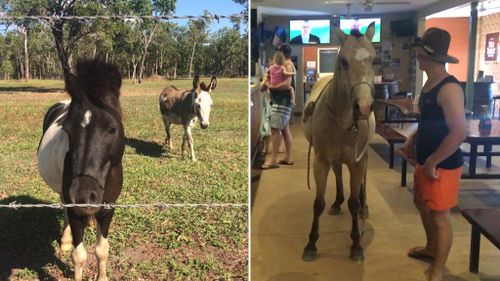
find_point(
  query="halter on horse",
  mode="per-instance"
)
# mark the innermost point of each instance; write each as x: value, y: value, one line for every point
x: 184, y: 106
x: 80, y: 156
x: 339, y: 123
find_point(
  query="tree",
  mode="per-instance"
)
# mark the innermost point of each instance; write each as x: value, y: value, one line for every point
x: 146, y: 27
x: 19, y: 8
x: 138, y: 47
x: 7, y: 69
x: 198, y: 35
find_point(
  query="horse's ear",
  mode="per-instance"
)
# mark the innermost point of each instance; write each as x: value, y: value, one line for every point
x: 370, y: 31
x: 196, y: 82
x: 341, y: 35
x: 213, y: 83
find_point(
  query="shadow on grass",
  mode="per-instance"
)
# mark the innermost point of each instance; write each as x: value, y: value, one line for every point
x: 147, y: 148
x: 11, y: 90
x: 26, y: 238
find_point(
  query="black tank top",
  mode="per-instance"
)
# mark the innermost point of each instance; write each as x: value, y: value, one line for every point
x: 432, y: 128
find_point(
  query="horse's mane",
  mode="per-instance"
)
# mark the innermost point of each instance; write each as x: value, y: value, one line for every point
x: 356, y: 33
x: 99, y: 81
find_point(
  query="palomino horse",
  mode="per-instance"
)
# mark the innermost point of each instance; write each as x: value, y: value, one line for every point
x: 184, y: 106
x: 80, y: 156
x: 339, y: 123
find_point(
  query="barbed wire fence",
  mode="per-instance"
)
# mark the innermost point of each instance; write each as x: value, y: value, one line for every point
x: 161, y: 206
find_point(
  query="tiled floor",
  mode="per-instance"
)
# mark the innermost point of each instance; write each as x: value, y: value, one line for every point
x: 282, y: 215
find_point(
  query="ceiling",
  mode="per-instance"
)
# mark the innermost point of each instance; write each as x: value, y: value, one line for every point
x: 319, y: 7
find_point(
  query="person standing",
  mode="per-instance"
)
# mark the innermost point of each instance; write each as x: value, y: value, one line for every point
x: 441, y: 131
x: 280, y: 114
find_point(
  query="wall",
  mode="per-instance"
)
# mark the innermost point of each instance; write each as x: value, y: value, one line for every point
x: 487, y: 24
x: 401, y: 66
x: 458, y: 29
x: 311, y: 53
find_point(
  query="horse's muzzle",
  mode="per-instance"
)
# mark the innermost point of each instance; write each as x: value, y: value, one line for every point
x: 204, y: 125
x: 85, y: 190
x: 364, y: 111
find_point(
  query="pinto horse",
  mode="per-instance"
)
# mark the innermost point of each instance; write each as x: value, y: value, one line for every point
x: 80, y: 156
x: 184, y: 107
x: 339, y: 123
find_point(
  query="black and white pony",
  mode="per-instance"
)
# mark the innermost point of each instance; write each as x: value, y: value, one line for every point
x: 184, y: 107
x: 80, y: 156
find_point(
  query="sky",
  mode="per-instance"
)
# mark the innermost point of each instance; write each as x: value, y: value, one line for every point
x: 197, y: 7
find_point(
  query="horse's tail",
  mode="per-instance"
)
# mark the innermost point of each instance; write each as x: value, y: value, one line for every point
x: 309, y: 166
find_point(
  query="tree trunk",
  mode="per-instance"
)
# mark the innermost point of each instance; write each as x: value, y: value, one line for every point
x: 57, y: 31
x: 24, y: 31
x: 191, y: 61
x: 161, y: 63
x: 134, y: 69
x: 146, y: 41
x: 175, y: 70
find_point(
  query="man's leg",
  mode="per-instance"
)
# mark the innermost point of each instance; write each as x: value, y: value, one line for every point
x: 444, y: 237
x: 430, y: 233
x: 287, y: 137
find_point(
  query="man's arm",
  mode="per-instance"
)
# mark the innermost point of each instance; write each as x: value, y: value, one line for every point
x: 408, y: 145
x: 451, y: 99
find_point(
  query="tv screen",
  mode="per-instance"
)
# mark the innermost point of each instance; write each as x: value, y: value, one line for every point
x: 361, y: 24
x: 310, y: 31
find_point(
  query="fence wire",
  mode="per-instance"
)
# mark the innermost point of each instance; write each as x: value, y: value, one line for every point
x: 161, y: 206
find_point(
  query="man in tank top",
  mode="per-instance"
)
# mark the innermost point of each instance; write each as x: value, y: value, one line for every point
x: 441, y: 131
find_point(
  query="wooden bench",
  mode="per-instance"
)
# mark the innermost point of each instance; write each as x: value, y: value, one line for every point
x: 487, y: 223
x: 391, y: 136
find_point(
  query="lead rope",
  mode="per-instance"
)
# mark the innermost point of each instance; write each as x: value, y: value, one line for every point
x: 354, y: 129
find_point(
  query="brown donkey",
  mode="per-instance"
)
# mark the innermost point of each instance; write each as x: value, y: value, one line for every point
x: 184, y: 107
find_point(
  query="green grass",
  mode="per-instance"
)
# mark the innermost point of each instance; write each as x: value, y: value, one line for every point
x: 176, y: 243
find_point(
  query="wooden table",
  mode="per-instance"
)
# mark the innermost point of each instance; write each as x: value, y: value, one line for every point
x: 486, y: 138
x: 486, y: 222
x: 407, y: 106
x: 475, y: 137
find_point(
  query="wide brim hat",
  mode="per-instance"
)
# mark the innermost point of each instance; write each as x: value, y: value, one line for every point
x: 434, y: 44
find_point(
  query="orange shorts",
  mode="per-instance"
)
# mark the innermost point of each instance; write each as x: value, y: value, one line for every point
x: 439, y: 194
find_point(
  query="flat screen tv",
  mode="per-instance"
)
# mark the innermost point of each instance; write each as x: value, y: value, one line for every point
x: 361, y: 24
x: 310, y: 31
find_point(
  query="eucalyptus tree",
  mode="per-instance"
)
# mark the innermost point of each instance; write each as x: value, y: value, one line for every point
x: 147, y: 28
x: 198, y: 33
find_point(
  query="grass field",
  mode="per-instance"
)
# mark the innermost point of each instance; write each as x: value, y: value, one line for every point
x: 145, y: 244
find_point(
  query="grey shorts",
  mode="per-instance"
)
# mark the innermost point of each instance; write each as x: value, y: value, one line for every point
x: 280, y: 116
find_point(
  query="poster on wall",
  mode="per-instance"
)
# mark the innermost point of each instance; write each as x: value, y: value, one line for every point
x: 491, y: 51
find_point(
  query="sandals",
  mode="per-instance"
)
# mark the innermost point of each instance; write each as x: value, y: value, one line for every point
x: 269, y: 166
x: 285, y: 162
x: 416, y: 254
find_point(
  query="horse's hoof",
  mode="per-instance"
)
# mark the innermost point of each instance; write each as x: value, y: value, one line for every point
x: 309, y: 255
x: 66, y: 247
x: 357, y: 255
x: 334, y: 211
